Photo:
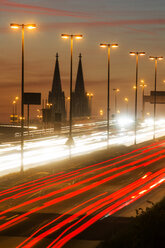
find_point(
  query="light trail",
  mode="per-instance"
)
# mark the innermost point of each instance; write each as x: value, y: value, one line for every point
x: 29, y: 187
x: 75, y: 193
x: 110, y: 210
x: 47, y: 150
x: 94, y: 207
x: 62, y: 177
x: 49, y: 181
x: 68, y: 212
x: 18, y: 187
x: 121, y: 161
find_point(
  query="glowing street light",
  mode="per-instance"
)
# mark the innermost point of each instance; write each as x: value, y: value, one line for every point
x: 49, y: 105
x: 14, y: 102
x: 156, y: 59
x: 116, y: 91
x: 126, y: 101
x: 143, y: 85
x: 78, y: 37
x: 67, y: 100
x: 17, y: 26
x: 137, y: 54
x: 90, y: 96
x: 30, y: 27
x: 108, y: 86
x: 101, y: 112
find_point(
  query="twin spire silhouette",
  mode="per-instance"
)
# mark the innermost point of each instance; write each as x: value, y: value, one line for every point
x: 57, y: 96
x: 57, y: 86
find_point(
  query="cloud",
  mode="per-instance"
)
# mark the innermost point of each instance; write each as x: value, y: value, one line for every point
x: 119, y: 23
x: 38, y: 9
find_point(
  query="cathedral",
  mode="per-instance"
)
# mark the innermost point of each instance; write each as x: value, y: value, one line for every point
x: 56, y: 99
x: 80, y: 99
x: 57, y: 96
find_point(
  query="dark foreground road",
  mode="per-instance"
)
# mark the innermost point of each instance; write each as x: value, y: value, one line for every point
x: 52, y: 211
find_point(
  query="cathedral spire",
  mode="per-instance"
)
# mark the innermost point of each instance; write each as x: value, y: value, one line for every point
x: 57, y: 96
x: 56, y: 86
x: 79, y: 88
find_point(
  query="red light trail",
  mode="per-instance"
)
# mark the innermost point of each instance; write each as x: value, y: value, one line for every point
x: 22, y: 186
x: 111, y: 210
x: 72, y: 173
x: 89, y: 209
x: 92, y: 208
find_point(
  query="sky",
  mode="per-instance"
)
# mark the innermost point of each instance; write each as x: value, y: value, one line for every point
x: 136, y: 25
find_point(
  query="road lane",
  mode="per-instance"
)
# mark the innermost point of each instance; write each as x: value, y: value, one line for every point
x: 106, y: 186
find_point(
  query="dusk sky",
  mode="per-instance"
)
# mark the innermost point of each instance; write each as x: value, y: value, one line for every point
x: 134, y: 24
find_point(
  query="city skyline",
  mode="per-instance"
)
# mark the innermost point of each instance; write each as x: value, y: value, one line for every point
x: 134, y: 26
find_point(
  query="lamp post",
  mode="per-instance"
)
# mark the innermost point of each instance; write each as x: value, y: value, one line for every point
x: 67, y: 100
x: 116, y: 91
x: 22, y: 26
x: 137, y: 64
x: 108, y: 86
x: 126, y: 101
x: 49, y: 105
x: 143, y: 85
x: 90, y: 95
x: 101, y: 112
x: 155, y: 87
x: 71, y: 36
x: 16, y: 99
x: 14, y: 102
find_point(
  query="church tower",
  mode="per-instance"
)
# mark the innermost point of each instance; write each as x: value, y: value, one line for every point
x: 80, y: 99
x: 57, y: 96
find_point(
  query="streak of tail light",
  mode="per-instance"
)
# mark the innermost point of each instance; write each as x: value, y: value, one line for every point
x: 39, y: 187
x: 94, y: 207
x: 72, y: 194
x: 111, y: 210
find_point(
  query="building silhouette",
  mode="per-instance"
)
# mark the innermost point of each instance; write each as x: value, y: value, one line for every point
x: 80, y: 99
x: 57, y: 97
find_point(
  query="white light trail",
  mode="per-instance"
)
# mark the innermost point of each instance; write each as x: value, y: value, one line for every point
x: 47, y: 150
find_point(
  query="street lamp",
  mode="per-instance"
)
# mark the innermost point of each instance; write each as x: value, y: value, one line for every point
x: 108, y: 86
x: 71, y: 36
x: 143, y: 85
x: 90, y: 95
x: 22, y: 26
x: 137, y: 58
x: 101, y: 112
x: 156, y: 63
x: 126, y: 101
x: 116, y: 91
x: 14, y: 102
x: 67, y: 106
x: 16, y: 99
x: 49, y: 105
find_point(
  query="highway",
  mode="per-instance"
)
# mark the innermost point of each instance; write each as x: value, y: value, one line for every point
x: 51, y: 211
x: 88, y: 137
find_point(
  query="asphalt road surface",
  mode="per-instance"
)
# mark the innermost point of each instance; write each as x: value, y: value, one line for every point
x: 53, y: 210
